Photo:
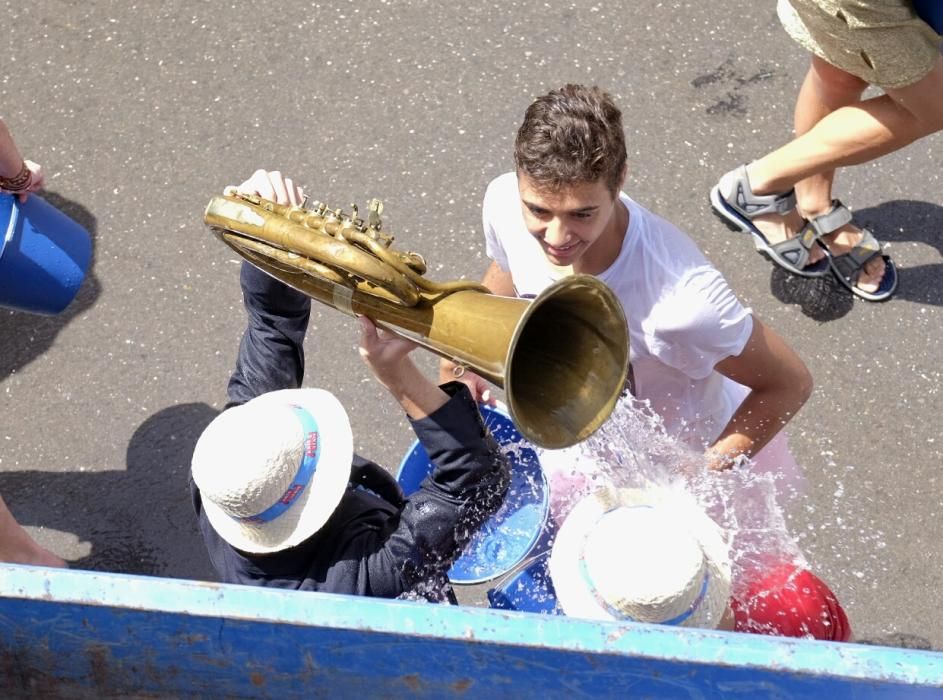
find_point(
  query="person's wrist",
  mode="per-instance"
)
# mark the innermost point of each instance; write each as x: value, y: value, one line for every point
x: 415, y: 392
x: 447, y: 370
x: 722, y: 461
x: 19, y: 182
x: 400, y: 377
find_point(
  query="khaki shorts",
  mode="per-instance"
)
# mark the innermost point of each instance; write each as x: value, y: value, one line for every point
x: 880, y: 41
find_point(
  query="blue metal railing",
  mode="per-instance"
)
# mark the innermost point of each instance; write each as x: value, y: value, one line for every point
x: 89, y: 634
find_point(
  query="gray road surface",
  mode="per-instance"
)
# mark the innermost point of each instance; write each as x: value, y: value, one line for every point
x: 141, y: 111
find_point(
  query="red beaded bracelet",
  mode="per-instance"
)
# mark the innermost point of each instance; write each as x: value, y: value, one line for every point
x: 19, y: 182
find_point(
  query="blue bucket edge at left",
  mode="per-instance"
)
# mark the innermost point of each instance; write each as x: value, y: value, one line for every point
x: 44, y: 255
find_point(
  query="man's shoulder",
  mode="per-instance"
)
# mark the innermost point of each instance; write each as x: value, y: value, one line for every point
x: 501, y: 211
x: 671, y: 260
x: 654, y: 235
x: 504, y: 181
x: 501, y: 189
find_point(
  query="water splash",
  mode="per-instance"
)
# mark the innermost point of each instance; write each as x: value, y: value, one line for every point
x: 634, y: 450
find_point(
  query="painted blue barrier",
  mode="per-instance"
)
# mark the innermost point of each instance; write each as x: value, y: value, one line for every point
x: 86, y: 634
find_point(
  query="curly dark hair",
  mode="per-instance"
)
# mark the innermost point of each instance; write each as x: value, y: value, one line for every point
x: 571, y: 135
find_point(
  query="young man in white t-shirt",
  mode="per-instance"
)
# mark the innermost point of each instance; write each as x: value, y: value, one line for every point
x: 721, y: 380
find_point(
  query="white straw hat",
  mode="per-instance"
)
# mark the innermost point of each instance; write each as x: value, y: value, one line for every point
x: 272, y: 471
x: 646, y: 555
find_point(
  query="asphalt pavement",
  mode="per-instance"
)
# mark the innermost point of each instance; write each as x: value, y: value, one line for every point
x: 140, y: 112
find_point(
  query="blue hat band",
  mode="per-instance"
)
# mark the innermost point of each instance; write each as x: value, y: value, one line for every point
x: 306, y: 470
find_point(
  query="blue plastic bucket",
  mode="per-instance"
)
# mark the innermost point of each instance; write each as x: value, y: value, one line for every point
x: 43, y: 256
x: 521, y: 526
x: 931, y: 12
x: 528, y: 590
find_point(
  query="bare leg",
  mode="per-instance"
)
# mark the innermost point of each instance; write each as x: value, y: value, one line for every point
x: 824, y: 90
x: 856, y: 133
x: 18, y: 547
x: 834, y: 129
x: 831, y: 89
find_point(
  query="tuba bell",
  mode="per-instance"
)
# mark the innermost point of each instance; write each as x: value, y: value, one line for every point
x: 561, y: 358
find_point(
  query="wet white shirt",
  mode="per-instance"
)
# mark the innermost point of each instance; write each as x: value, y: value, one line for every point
x: 683, y: 318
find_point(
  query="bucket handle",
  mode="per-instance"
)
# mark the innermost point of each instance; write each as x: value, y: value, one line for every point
x: 518, y: 568
x: 11, y: 226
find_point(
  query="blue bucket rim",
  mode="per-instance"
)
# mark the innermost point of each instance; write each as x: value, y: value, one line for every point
x: 11, y: 225
x: 500, y: 410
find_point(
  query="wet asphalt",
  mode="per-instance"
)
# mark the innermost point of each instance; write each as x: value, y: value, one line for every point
x: 140, y: 112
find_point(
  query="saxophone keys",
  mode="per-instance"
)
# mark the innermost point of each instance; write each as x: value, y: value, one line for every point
x: 375, y: 207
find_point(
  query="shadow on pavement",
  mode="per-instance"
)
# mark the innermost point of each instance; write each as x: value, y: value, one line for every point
x: 825, y: 299
x: 25, y: 336
x: 820, y: 298
x: 903, y: 221
x: 138, y: 521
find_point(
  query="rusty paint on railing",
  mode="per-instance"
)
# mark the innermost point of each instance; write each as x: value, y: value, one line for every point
x: 89, y: 634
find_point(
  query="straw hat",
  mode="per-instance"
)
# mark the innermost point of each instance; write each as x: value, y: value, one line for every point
x: 272, y: 471
x: 645, y: 555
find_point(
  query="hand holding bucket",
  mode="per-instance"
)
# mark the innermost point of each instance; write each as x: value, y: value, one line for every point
x: 44, y: 256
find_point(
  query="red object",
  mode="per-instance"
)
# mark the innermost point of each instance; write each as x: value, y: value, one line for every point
x: 788, y: 601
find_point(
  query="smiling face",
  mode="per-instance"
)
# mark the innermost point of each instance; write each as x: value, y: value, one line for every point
x: 582, y: 224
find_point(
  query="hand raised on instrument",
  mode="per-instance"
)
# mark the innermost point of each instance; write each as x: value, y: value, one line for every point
x: 384, y: 352
x: 272, y: 185
x: 387, y: 355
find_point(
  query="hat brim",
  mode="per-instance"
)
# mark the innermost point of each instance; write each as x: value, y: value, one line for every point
x: 575, y: 597
x: 312, y: 509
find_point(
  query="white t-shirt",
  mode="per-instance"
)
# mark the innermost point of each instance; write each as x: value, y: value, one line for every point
x: 683, y: 317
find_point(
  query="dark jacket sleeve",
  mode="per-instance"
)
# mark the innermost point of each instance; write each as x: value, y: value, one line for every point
x: 271, y: 354
x: 467, y: 485
x: 376, y: 544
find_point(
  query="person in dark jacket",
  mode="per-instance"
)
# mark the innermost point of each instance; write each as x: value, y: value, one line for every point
x: 281, y: 498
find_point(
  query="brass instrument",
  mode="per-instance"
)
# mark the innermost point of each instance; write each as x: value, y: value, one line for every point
x: 561, y: 358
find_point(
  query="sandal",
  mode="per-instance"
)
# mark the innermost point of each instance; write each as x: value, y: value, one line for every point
x: 734, y: 201
x: 848, y: 266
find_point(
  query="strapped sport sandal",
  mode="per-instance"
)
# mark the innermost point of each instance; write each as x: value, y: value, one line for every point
x: 849, y: 266
x: 734, y: 201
